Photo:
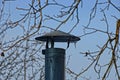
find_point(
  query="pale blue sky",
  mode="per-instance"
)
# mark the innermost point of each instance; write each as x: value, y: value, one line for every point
x: 89, y: 42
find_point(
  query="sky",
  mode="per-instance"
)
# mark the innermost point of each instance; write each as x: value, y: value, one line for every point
x: 91, y: 42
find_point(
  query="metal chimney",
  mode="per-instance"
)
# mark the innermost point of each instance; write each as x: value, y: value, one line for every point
x: 55, y: 57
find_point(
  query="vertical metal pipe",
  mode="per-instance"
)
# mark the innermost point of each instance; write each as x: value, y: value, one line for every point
x: 54, y: 64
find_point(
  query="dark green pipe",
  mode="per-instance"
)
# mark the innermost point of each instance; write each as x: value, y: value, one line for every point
x: 54, y: 64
